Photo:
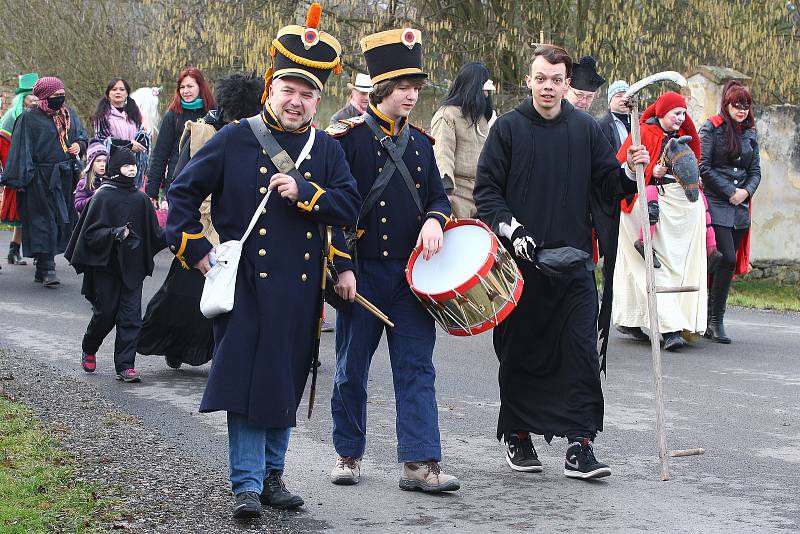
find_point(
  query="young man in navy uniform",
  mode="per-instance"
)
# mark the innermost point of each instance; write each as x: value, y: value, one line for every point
x: 411, y: 210
x: 264, y: 346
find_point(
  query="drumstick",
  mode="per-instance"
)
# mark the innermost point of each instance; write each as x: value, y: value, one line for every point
x: 370, y: 307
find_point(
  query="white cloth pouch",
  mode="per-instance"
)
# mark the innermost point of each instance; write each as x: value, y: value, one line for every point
x: 220, y: 285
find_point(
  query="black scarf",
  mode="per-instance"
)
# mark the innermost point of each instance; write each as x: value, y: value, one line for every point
x: 120, y: 181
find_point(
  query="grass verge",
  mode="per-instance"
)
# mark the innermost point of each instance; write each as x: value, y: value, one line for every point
x: 39, y: 490
x: 765, y: 293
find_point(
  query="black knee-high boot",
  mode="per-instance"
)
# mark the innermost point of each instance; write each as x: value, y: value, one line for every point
x: 717, y: 300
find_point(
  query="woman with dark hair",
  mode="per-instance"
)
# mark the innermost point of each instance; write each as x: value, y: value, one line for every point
x: 460, y: 127
x: 730, y: 169
x: 118, y: 121
x: 192, y: 100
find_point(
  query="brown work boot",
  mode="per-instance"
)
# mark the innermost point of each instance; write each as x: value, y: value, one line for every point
x: 427, y: 477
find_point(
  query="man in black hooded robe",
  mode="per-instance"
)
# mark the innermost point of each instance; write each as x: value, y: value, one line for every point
x: 545, y: 178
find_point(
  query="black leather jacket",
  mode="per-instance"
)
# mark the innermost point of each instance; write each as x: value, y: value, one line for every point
x: 722, y: 175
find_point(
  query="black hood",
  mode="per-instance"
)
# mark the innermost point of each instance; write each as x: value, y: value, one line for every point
x: 528, y: 111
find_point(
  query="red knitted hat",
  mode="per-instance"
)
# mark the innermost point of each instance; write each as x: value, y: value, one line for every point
x: 668, y: 101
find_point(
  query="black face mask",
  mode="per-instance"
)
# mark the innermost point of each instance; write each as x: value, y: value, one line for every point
x: 55, y: 102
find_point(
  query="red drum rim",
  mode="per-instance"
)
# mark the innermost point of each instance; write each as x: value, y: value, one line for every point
x: 472, y: 281
x: 495, y: 320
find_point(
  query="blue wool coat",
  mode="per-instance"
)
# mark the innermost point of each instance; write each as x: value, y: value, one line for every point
x: 263, y: 347
x: 391, y: 228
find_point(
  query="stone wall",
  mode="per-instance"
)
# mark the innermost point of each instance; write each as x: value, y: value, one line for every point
x: 784, y: 271
x: 6, y: 95
x: 776, y: 204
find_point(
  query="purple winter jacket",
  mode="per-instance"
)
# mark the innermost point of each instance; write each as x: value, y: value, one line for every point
x: 83, y: 194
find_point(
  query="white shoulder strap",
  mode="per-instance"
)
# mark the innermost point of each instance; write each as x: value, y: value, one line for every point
x: 303, y: 153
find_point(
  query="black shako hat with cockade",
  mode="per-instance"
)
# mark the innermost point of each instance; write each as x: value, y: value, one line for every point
x: 304, y: 52
x: 584, y: 75
x: 393, y: 53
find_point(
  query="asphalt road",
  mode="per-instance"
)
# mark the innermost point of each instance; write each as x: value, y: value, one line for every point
x: 738, y: 402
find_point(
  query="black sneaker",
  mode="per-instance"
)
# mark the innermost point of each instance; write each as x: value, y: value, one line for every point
x: 276, y: 495
x: 521, y: 456
x: 581, y: 463
x: 247, y: 506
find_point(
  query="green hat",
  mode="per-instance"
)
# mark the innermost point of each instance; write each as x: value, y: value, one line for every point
x: 26, y: 82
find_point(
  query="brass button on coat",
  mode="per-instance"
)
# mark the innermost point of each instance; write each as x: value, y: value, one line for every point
x: 385, y: 237
x: 385, y: 252
x: 262, y: 252
x: 383, y: 203
x: 383, y: 219
x: 308, y: 156
x: 262, y: 190
x: 263, y: 211
x: 307, y: 175
x: 172, y: 248
x: 316, y: 207
x: 263, y: 151
x: 263, y: 170
x: 262, y: 275
x: 304, y: 277
x: 262, y: 231
x: 307, y: 256
x: 308, y: 235
x: 418, y: 186
x: 419, y: 169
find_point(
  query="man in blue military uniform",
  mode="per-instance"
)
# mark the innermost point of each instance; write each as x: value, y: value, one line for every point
x: 405, y: 205
x: 265, y: 345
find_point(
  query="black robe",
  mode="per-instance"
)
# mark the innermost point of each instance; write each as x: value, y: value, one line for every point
x: 173, y: 325
x: 45, y: 177
x: 92, y: 245
x: 560, y: 179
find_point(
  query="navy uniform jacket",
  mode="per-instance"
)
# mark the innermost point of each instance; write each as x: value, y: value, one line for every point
x: 391, y: 228
x: 263, y: 347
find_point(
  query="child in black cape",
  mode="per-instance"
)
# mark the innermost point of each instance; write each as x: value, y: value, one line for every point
x: 113, y: 245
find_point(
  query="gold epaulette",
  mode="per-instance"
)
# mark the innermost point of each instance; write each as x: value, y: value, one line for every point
x: 342, y: 126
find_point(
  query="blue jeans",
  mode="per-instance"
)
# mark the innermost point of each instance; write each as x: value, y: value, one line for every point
x: 411, y: 354
x: 253, y: 453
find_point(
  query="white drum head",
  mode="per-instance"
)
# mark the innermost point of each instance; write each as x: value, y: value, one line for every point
x: 464, y: 252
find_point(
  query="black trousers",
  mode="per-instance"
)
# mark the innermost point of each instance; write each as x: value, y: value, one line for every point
x: 113, y: 304
x: 728, y: 240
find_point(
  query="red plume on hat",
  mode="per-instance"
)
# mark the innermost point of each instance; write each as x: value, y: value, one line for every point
x: 314, y: 14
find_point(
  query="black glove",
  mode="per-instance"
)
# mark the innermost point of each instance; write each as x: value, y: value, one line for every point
x: 653, y: 211
x: 120, y: 233
x: 524, y: 245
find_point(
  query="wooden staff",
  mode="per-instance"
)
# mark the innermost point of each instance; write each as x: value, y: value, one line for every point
x: 632, y: 96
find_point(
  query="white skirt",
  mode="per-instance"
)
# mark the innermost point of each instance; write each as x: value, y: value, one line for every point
x: 680, y: 244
